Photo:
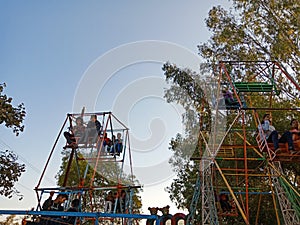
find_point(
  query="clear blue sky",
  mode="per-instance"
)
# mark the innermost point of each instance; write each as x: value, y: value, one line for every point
x: 46, y: 51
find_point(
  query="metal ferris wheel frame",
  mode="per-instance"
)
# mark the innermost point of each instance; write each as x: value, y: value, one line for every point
x: 265, y: 71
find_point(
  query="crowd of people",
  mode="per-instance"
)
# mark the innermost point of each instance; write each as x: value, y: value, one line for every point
x: 116, y: 202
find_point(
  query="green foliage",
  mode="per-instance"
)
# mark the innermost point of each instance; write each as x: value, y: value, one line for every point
x: 186, y: 90
x: 12, y: 116
x: 254, y: 31
x: 107, y: 176
x: 10, y: 171
x: 188, y: 83
x: 10, y: 220
x: 180, y: 190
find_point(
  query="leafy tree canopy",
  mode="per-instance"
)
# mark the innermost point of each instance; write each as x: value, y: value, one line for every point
x: 107, y: 176
x: 10, y: 220
x: 10, y: 169
x: 250, y: 31
x: 256, y: 30
x: 11, y: 116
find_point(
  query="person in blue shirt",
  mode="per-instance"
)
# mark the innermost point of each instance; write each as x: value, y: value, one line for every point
x: 117, y: 144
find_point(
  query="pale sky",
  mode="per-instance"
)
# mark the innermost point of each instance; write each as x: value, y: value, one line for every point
x: 56, y: 56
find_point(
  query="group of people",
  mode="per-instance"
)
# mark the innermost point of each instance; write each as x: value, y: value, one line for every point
x: 271, y: 134
x: 269, y: 131
x: 115, y: 202
x: 81, y: 134
x: 57, y: 205
x: 113, y: 146
x: 89, y: 134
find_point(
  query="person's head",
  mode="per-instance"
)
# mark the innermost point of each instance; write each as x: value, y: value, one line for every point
x: 79, y: 120
x: 294, y: 123
x: 123, y: 193
x: 119, y: 135
x: 267, y: 116
x: 93, y: 118
x: 61, y: 198
x: 75, y: 202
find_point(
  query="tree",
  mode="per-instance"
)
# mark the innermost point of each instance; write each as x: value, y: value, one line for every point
x: 10, y: 169
x: 10, y: 220
x: 13, y: 117
x: 256, y: 31
x: 260, y: 30
x: 187, y: 91
x: 107, y: 176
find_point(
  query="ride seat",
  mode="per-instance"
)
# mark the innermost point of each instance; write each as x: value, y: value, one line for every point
x: 284, y: 147
x: 254, y: 87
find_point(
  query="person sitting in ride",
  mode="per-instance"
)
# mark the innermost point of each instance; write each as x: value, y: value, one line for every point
x: 224, y: 202
x: 67, y: 220
x: 117, y: 144
x: 271, y: 134
x: 230, y: 102
x: 76, y: 131
x: 109, y: 200
x: 93, y: 130
x: 295, y: 132
x: 106, y: 142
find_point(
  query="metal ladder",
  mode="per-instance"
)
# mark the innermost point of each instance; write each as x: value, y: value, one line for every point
x: 209, y: 210
x: 195, y: 199
x: 261, y: 140
x: 288, y: 213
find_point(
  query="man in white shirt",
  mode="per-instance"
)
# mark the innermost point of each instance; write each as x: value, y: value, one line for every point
x: 271, y: 134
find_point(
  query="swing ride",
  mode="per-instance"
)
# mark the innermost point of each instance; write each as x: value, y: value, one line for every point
x: 243, y: 164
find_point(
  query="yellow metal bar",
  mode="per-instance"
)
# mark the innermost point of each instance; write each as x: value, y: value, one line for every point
x: 274, y: 199
x: 232, y: 194
x: 242, y: 174
x: 258, y: 209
